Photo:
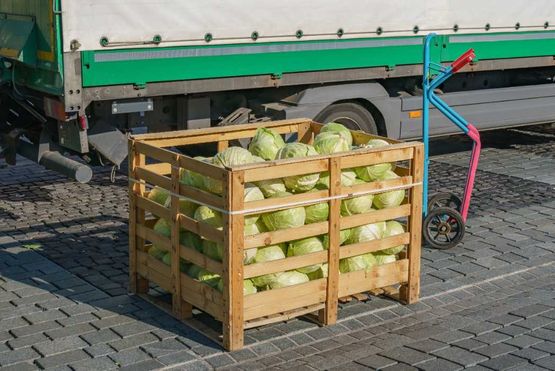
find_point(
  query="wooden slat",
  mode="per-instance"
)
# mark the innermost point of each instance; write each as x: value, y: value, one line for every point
x: 266, y: 303
x: 398, y: 152
x: 373, y: 246
x: 201, y: 260
x: 280, y: 317
x: 161, y: 168
x: 150, y: 235
x: 202, y: 229
x: 329, y: 315
x: 378, y: 186
x: 152, y: 207
x: 233, y: 331
x: 283, y: 168
x: 149, y: 269
x: 279, y: 203
x: 203, y: 168
x: 153, y: 178
x: 380, y: 276
x: 202, y: 296
x: 223, y: 145
x: 284, y: 235
x: 206, y: 135
x: 375, y: 216
x: 201, y: 197
x: 134, y: 188
x: 410, y: 293
x: 402, y: 171
x: 304, y: 133
x: 287, y: 264
x: 157, y: 153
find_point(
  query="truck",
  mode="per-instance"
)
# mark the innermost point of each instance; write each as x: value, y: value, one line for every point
x: 77, y: 75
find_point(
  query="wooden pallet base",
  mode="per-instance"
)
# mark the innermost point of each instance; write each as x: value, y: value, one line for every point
x: 389, y: 291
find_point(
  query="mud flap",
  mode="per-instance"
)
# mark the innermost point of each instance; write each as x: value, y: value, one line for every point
x: 109, y: 142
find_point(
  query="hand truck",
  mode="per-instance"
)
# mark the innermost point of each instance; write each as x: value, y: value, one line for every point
x: 445, y: 214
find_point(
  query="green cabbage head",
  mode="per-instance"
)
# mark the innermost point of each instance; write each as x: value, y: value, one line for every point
x: 266, y: 254
x: 298, y: 183
x: 290, y: 278
x: 384, y: 259
x: 357, y: 263
x: 389, y: 199
x: 367, y: 232
x: 266, y: 143
x: 393, y: 228
x: 331, y: 142
x: 284, y: 219
x: 374, y: 172
x: 206, y: 215
x: 158, y: 195
x: 306, y: 246
x: 334, y: 127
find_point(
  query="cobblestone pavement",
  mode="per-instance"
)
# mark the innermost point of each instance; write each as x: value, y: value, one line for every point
x: 487, y: 304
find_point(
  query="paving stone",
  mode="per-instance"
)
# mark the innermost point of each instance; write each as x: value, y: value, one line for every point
x: 99, y: 350
x: 128, y: 357
x: 546, y: 346
x: 133, y: 341
x: 439, y: 364
x: 407, y: 355
x: 376, y: 361
x: 513, y: 330
x: 102, y: 336
x: 17, y: 356
x: 62, y: 359
x: 27, y: 341
x: 496, y: 350
x: 220, y: 360
x: 34, y: 329
x: 492, y: 337
x: 523, y: 341
x: 481, y: 328
x: 400, y: 367
x: 460, y: 356
x: 177, y: 358
x: 452, y: 336
x: 151, y: 364
x: 50, y: 315
x: 52, y: 347
x: 79, y: 329
x: 100, y: 363
x: 505, y: 320
x: 23, y: 366
x: 530, y: 354
x: 547, y: 362
x: 469, y: 344
x: 504, y: 362
x: 534, y: 323
x: 531, y: 310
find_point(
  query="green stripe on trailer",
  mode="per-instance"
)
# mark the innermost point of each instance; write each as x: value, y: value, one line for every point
x: 141, y: 66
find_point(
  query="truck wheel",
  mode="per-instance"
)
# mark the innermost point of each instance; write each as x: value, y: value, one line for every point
x: 352, y: 115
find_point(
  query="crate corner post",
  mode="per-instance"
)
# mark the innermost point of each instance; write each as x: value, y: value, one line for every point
x: 137, y: 284
x: 410, y: 292
x: 233, y: 324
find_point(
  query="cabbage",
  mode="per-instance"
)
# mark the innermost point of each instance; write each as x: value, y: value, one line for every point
x: 211, y: 279
x: 357, y: 205
x: 289, y: 279
x: 271, y: 187
x: 163, y: 227
x: 391, y: 198
x: 249, y: 255
x: 156, y: 252
x: 284, y: 219
x: 192, y: 178
x: 357, y: 263
x: 367, y: 232
x: 266, y: 254
x: 190, y: 240
x: 343, y: 237
x: 158, y: 195
x: 248, y: 287
x: 384, y: 258
x: 393, y: 228
x: 256, y: 159
x: 334, y: 127
x: 167, y: 259
x: 186, y: 207
x: 206, y: 215
x: 303, y: 247
x: 321, y: 272
x: 233, y: 156
x: 266, y: 143
x: 252, y: 193
x: 193, y: 271
x: 329, y: 142
x: 317, y: 213
x: 374, y: 172
x: 298, y: 183
x: 348, y: 178
x: 213, y: 250
x: 256, y: 228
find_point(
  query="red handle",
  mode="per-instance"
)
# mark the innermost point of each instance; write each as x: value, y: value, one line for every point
x: 463, y: 60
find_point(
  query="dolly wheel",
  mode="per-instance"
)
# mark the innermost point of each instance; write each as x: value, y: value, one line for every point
x: 445, y: 199
x: 443, y: 228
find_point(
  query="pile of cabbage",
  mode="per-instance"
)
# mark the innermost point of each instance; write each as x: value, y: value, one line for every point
x: 268, y: 145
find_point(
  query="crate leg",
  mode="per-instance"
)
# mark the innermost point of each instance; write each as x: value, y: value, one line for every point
x: 328, y: 315
x: 142, y: 285
x: 410, y: 292
x: 233, y: 323
x: 186, y: 310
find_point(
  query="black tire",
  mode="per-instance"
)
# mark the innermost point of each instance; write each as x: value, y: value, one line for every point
x: 445, y: 199
x: 352, y: 115
x: 443, y: 228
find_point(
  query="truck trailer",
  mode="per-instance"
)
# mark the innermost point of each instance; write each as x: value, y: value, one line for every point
x: 77, y: 75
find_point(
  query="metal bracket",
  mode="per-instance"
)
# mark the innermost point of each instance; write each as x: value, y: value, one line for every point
x: 146, y: 105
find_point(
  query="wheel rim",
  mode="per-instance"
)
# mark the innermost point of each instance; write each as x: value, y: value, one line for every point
x: 349, y: 122
x: 443, y: 228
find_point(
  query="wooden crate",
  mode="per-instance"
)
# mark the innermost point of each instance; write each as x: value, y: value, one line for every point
x: 153, y: 163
